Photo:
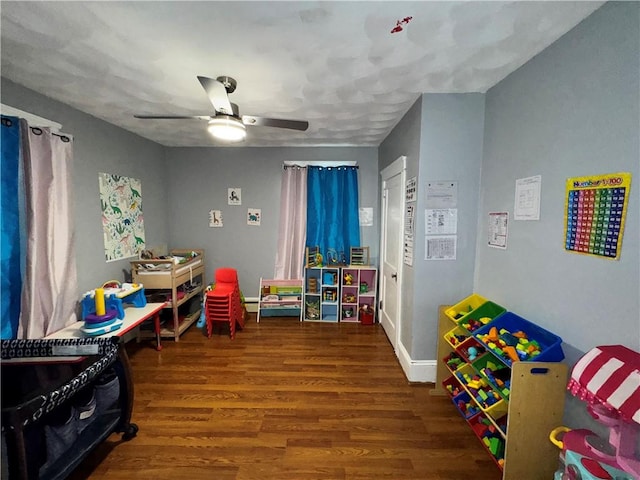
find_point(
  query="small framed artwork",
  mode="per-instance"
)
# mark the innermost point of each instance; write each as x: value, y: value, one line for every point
x: 253, y: 216
x: 234, y: 196
x: 215, y: 218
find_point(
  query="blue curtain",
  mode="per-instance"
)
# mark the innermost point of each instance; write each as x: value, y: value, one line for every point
x: 10, y: 277
x: 332, y: 211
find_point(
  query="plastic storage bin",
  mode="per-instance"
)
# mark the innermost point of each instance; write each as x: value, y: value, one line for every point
x: 470, y: 349
x: 473, y: 321
x: 465, y: 405
x: 453, y: 361
x: 456, y: 336
x: 495, y: 373
x: 452, y: 386
x: 491, y: 439
x: 464, y: 307
x: 548, y: 344
x: 481, y: 392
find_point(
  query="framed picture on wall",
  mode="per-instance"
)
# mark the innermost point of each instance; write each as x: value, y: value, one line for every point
x: 253, y: 216
x: 234, y: 196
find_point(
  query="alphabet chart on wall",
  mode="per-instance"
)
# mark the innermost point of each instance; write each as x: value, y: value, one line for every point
x: 596, y: 208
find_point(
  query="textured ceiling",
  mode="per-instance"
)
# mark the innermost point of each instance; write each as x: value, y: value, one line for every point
x: 336, y: 64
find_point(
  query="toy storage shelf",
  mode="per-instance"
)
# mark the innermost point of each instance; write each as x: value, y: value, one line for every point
x: 186, y: 278
x: 359, y: 282
x: 524, y: 416
x: 35, y: 389
x: 280, y: 298
x: 338, y: 293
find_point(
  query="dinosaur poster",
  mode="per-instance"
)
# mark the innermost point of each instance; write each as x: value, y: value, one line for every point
x: 122, y: 220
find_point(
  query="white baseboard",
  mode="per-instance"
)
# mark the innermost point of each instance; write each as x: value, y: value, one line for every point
x: 417, y: 370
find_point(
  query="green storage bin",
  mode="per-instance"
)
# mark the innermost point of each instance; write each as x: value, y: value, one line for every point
x: 471, y: 321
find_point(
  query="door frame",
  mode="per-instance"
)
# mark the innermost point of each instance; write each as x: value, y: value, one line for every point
x: 397, y: 167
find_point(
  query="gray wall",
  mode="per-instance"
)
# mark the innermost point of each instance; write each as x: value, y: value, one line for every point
x: 198, y: 182
x: 451, y: 149
x: 441, y: 135
x: 571, y: 111
x: 101, y: 147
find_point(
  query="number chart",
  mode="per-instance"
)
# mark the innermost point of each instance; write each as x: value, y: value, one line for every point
x: 595, y: 213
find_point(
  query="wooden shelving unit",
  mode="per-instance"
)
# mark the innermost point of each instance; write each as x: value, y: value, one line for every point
x: 187, y: 277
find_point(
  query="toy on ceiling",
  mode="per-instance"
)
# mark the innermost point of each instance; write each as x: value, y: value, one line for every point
x: 607, y: 378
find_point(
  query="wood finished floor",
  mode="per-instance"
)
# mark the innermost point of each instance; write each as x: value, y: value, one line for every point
x: 288, y: 401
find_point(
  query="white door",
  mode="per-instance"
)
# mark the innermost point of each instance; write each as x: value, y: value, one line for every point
x: 391, y: 249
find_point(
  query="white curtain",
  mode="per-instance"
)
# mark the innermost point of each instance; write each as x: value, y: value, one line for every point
x: 49, y: 293
x: 293, y: 224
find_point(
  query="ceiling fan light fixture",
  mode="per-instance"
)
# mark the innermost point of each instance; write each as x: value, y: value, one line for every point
x: 227, y: 128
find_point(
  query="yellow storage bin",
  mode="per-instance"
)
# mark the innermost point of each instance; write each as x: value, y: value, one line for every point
x: 473, y: 385
x: 497, y: 410
x: 464, y: 307
x: 456, y: 336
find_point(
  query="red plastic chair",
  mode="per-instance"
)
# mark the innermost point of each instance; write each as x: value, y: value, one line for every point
x: 223, y: 303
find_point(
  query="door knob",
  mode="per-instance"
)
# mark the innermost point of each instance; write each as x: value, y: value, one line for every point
x: 394, y: 276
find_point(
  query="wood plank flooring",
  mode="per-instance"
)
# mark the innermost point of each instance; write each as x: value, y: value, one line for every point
x: 289, y: 401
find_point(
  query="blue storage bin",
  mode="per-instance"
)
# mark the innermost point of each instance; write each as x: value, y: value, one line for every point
x: 550, y: 344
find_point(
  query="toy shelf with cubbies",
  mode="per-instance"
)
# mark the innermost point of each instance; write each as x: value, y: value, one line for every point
x: 340, y: 294
x: 504, y: 375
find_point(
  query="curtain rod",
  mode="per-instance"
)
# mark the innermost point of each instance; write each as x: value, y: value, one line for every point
x: 285, y: 166
x: 318, y: 163
x: 36, y: 130
x: 34, y: 120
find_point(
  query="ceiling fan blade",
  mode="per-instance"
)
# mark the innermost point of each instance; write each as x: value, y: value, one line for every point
x: 217, y: 94
x: 275, y: 122
x: 174, y: 117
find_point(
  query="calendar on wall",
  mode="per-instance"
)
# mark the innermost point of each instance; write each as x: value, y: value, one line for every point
x: 596, y: 207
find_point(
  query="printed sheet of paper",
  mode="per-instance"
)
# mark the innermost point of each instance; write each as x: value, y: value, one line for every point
x: 527, y: 201
x: 410, y: 192
x: 441, y: 221
x: 409, y: 219
x: 365, y: 215
x: 498, y: 229
x: 442, y: 194
x: 440, y: 247
x: 408, y: 250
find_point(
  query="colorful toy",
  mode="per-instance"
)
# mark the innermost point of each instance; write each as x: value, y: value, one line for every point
x: 511, y: 346
x: 348, y: 298
x: 611, y: 396
x: 101, y: 306
x: 347, y: 278
x: 472, y: 353
x: 97, y: 302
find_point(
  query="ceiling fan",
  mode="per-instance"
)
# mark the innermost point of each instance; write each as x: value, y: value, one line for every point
x: 226, y: 123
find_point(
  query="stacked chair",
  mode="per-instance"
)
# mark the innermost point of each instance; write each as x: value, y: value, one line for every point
x: 223, y: 304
